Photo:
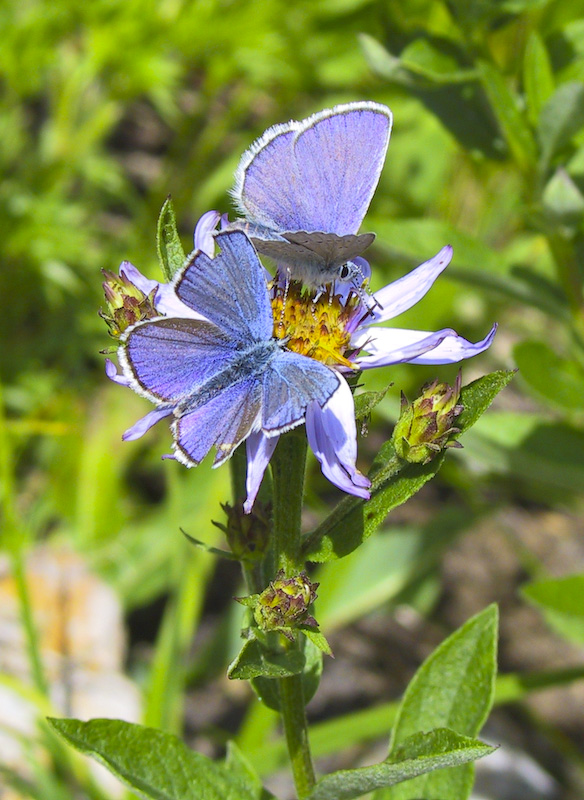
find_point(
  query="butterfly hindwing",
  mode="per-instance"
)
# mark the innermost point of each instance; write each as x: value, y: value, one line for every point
x: 291, y: 382
x: 224, y: 421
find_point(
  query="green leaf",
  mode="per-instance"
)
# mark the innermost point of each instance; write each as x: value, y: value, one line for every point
x: 393, y: 482
x: 383, y: 63
x: 318, y: 639
x: 562, y: 200
x: 170, y: 250
x: 420, y: 754
x: 454, y: 687
x: 559, y: 380
x: 388, y: 563
x: 560, y: 119
x: 214, y: 551
x: 561, y: 601
x: 511, y: 121
x: 254, y: 660
x: 238, y: 765
x: 267, y: 688
x: 153, y: 763
x: 477, y: 396
x: 559, y: 594
x: 538, y: 78
x: 545, y: 459
x: 366, y: 402
x: 435, y: 61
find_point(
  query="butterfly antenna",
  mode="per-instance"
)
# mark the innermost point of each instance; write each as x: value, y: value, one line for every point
x: 284, y: 298
x: 363, y: 294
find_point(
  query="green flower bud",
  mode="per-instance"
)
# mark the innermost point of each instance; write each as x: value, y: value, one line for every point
x: 284, y: 605
x: 426, y: 425
x: 126, y: 304
x: 247, y: 535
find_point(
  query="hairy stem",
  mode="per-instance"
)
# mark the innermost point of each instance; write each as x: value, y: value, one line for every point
x: 288, y: 467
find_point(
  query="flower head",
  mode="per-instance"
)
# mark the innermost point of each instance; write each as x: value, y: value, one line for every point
x: 205, y: 362
x: 425, y: 427
x: 126, y: 302
x: 248, y: 535
x: 284, y: 605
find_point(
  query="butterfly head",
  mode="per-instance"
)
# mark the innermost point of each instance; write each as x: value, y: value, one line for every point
x: 315, y: 326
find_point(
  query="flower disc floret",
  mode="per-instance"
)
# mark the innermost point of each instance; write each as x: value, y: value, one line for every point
x: 319, y: 328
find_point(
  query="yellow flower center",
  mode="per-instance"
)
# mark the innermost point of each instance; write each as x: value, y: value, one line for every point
x: 316, y: 329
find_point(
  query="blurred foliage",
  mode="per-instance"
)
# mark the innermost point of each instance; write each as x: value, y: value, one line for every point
x: 107, y: 107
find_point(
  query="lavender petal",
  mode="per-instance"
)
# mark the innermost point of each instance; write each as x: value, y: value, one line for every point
x: 404, y: 293
x: 145, y: 423
x: 259, y: 451
x: 332, y: 436
x: 204, y: 239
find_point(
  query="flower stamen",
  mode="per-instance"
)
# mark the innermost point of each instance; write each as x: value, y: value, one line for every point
x: 317, y: 328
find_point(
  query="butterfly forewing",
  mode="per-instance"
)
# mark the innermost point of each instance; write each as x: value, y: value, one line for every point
x: 170, y: 358
x: 318, y: 174
x: 229, y: 290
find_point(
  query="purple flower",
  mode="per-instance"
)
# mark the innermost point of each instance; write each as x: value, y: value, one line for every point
x: 342, y: 332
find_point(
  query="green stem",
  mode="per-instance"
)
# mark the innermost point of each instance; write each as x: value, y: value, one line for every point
x: 288, y: 468
x: 296, y: 730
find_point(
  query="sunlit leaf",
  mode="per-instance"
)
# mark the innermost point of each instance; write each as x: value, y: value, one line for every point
x: 505, y: 107
x: 559, y: 380
x: 170, y: 250
x: 393, y: 482
x: 153, y: 763
x: 453, y: 688
x: 538, y: 78
x: 419, y: 754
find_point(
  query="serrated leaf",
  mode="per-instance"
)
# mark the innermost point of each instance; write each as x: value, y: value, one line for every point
x: 560, y: 381
x: 418, y: 755
x: 477, y: 396
x: 393, y: 482
x: 155, y: 764
x: 170, y: 250
x: 560, y: 119
x: 453, y: 688
x: 254, y: 660
x: 511, y: 121
x: 538, y: 78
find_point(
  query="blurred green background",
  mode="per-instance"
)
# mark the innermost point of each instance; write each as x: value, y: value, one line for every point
x: 107, y: 107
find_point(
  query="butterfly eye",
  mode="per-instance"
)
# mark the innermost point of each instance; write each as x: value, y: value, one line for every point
x: 344, y: 272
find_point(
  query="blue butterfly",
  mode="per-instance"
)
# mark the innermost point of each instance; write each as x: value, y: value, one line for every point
x: 225, y: 376
x: 304, y: 188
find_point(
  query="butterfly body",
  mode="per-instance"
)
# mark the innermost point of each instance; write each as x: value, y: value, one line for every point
x: 252, y: 360
x: 304, y: 188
